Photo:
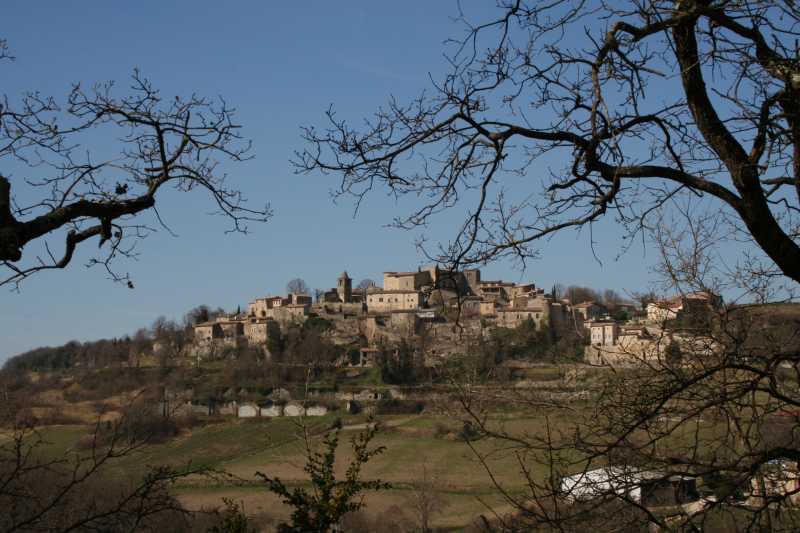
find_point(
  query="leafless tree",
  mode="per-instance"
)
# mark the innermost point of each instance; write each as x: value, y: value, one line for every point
x: 56, y: 188
x: 297, y: 286
x: 170, y: 341
x: 365, y: 284
x: 318, y: 295
x: 577, y: 294
x: 679, y: 119
x: 625, y: 94
x: 141, y: 344
x: 425, y: 501
x: 75, y: 492
x: 201, y: 313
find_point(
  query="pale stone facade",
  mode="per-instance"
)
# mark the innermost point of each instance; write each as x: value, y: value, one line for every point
x: 488, y: 308
x: 659, y: 312
x: 409, y: 303
x: 344, y: 288
x: 406, y: 281
x: 392, y: 300
x: 603, y: 333
x: 510, y: 318
x: 259, y: 330
x: 300, y: 299
x: 207, y: 331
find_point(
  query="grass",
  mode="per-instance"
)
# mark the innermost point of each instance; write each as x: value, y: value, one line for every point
x: 244, y: 447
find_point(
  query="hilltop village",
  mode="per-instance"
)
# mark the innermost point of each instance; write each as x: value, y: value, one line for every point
x: 445, y: 308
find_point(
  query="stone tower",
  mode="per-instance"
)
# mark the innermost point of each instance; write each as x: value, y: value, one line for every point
x: 344, y: 287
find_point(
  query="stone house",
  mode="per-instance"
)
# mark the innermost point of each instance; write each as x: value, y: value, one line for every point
x: 473, y: 277
x: 259, y: 330
x: 221, y: 327
x: 299, y: 299
x: 295, y: 312
x: 231, y: 328
x: 603, y: 332
x: 661, y: 311
x: 260, y: 307
x: 470, y: 306
x: 406, y: 281
x: 382, y: 300
x: 344, y: 288
x: 518, y: 290
x: 207, y: 331
x: 510, y: 317
x: 331, y: 296
x: 459, y: 283
x: 498, y: 290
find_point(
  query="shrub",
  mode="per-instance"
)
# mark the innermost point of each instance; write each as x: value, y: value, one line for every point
x: 468, y: 432
x: 440, y: 430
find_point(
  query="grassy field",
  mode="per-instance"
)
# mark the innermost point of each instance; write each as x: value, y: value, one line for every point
x: 243, y: 447
x: 414, y: 444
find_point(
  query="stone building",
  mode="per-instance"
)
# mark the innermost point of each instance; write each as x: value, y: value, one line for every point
x: 207, y: 331
x: 260, y: 307
x: 603, y: 332
x: 694, y: 302
x: 221, y: 333
x: 231, y: 327
x: 473, y: 277
x: 299, y: 299
x: 382, y: 300
x: 344, y: 288
x: 488, y: 308
x: 661, y: 311
x: 510, y: 317
x: 406, y: 281
x: 259, y: 330
x: 496, y: 290
x: 294, y: 313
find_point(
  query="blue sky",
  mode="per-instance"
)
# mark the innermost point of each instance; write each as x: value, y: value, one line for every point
x: 281, y: 65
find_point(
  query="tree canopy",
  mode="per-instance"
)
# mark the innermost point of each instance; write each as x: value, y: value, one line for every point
x: 610, y: 108
x: 72, y: 192
x: 677, y: 120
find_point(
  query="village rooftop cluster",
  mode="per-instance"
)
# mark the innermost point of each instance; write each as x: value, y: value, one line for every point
x: 432, y: 300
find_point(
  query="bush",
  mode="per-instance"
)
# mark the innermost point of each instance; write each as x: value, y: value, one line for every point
x: 440, y: 430
x: 468, y: 432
